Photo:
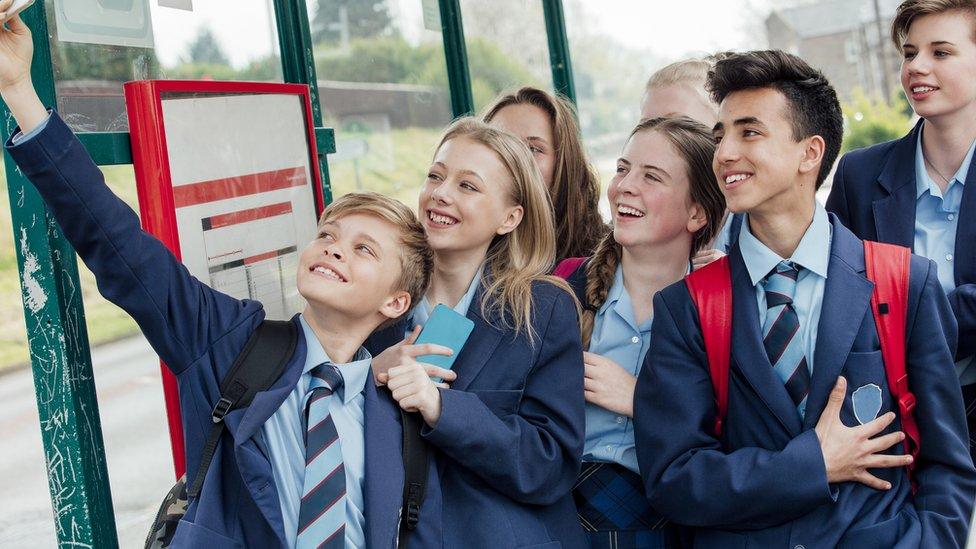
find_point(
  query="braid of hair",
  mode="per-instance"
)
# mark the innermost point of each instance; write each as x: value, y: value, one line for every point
x: 599, y: 278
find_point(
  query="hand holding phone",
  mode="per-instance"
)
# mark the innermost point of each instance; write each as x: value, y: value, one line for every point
x: 447, y: 328
x: 16, y: 7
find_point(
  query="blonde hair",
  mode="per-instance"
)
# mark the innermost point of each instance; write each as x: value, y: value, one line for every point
x: 416, y: 256
x: 575, y: 189
x: 909, y: 10
x: 523, y: 257
x: 692, y: 72
x: 693, y: 142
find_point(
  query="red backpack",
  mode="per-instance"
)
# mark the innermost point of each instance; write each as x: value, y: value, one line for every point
x: 887, y: 267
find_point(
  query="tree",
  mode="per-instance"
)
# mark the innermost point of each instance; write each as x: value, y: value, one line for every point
x: 359, y: 19
x: 869, y: 119
x: 206, y: 49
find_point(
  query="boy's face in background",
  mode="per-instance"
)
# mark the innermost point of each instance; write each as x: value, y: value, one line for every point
x: 352, y: 267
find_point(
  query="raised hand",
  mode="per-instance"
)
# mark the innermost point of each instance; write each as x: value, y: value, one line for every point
x: 16, y: 88
x: 849, y: 452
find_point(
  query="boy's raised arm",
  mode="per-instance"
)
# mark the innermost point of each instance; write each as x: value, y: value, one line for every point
x: 180, y: 316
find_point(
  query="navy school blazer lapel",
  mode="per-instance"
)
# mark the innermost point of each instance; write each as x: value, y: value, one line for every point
x: 243, y: 424
x: 894, y: 215
x: 480, y: 345
x: 383, y: 485
x: 846, y: 301
x: 965, y: 249
x: 748, y: 351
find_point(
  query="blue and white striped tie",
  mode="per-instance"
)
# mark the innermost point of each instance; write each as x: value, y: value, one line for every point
x: 781, y: 333
x: 322, y: 518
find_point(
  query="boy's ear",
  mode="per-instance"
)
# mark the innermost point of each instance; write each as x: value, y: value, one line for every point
x: 512, y: 220
x: 813, y: 153
x: 698, y: 218
x: 396, y: 304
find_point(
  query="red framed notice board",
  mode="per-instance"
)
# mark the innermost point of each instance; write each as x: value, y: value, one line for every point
x: 228, y: 180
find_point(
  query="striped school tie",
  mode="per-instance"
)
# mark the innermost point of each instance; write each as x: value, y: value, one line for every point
x: 322, y: 517
x: 781, y: 333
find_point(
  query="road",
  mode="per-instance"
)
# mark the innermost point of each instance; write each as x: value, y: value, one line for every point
x: 140, y: 467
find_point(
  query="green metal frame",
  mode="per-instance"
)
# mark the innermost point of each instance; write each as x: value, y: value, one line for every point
x: 559, y: 58
x: 58, y: 342
x: 55, y: 319
x: 456, y: 54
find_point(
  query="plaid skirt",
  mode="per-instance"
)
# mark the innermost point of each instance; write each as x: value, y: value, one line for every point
x: 615, y: 514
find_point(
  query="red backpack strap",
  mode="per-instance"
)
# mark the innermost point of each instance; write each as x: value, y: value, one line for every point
x: 711, y: 290
x: 888, y: 266
x: 568, y: 266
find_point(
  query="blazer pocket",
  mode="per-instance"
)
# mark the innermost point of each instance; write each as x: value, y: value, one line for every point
x: 865, y: 373
x: 500, y: 402
x: 189, y: 534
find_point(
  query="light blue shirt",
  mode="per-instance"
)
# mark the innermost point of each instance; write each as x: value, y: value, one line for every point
x: 421, y: 312
x: 286, y: 442
x: 618, y: 337
x: 20, y: 137
x: 813, y: 254
x: 936, y: 221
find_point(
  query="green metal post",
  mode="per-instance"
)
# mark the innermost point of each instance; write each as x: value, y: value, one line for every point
x: 559, y: 59
x: 452, y: 29
x: 298, y: 67
x: 58, y: 343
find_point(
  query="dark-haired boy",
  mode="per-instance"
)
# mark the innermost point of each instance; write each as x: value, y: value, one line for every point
x: 810, y: 454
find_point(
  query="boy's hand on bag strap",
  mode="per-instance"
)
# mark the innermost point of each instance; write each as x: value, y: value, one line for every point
x: 16, y: 51
x: 849, y: 452
x: 404, y: 352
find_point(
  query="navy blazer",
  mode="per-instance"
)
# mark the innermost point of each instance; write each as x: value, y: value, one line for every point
x: 763, y: 483
x: 511, y: 430
x: 198, y: 332
x: 873, y: 194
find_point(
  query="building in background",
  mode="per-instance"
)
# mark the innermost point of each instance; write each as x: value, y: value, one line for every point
x: 847, y: 39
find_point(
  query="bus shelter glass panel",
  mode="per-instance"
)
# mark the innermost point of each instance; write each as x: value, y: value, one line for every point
x: 616, y: 46
x: 96, y: 45
x: 507, y: 47
x: 383, y: 86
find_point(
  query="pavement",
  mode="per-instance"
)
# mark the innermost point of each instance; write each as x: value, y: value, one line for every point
x: 140, y: 464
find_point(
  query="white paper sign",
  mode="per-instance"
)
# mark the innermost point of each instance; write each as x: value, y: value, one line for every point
x: 110, y: 22
x: 177, y: 4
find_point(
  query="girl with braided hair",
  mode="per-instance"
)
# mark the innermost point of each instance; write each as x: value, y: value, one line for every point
x: 666, y: 205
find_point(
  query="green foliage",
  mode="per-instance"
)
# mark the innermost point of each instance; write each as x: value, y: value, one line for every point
x: 76, y: 61
x: 869, y: 120
x: 206, y: 49
x: 365, y: 19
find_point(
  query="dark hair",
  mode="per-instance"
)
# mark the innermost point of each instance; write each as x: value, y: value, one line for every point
x: 813, y: 105
x: 693, y: 142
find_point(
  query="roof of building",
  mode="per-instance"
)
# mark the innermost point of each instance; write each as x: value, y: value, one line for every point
x: 809, y: 20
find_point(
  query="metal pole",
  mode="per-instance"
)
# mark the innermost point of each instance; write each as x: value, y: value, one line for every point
x: 58, y: 342
x: 882, y: 57
x: 559, y: 58
x: 452, y: 29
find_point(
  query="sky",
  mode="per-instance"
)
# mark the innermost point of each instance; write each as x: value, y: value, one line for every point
x: 670, y: 29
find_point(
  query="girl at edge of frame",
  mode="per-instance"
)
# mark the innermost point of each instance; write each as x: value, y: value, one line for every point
x: 508, y: 433
x: 547, y: 123
x: 666, y: 206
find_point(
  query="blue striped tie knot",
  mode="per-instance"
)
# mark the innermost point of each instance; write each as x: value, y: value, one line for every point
x: 781, y: 333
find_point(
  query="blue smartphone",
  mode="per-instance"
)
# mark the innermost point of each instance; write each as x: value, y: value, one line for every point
x: 447, y: 328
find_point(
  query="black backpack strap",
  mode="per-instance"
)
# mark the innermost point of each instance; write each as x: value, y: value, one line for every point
x: 415, y: 461
x: 255, y: 369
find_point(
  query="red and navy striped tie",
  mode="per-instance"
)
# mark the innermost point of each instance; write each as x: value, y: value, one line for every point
x: 322, y: 517
x: 781, y: 333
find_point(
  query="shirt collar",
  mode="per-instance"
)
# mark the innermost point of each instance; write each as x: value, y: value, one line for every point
x: 813, y: 252
x: 925, y: 183
x: 421, y: 312
x: 616, y: 291
x: 354, y: 374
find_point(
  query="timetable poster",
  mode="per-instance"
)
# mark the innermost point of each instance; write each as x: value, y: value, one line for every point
x: 242, y: 193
